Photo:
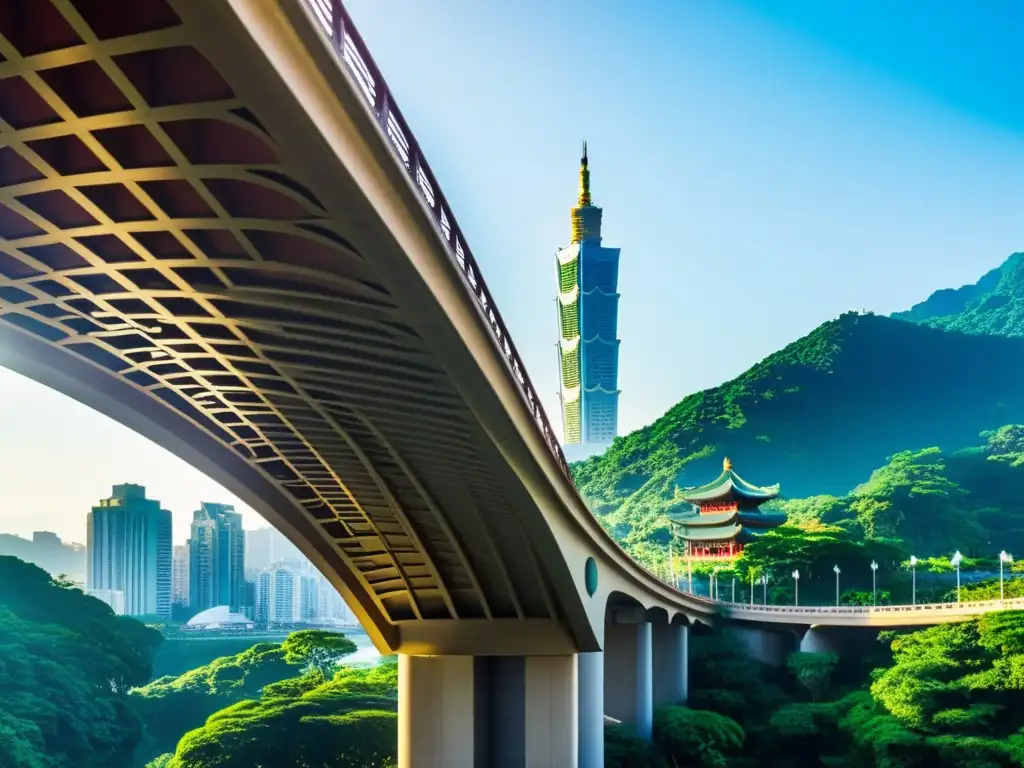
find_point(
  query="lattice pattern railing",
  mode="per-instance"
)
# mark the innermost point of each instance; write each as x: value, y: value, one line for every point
x: 338, y: 27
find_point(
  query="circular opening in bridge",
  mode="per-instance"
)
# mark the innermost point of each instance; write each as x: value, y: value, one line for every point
x: 590, y: 576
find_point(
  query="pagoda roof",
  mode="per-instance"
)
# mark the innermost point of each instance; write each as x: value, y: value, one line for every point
x: 698, y: 520
x: 721, y: 533
x: 729, y: 485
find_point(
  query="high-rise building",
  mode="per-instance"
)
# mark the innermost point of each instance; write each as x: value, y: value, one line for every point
x: 216, y: 558
x: 180, y: 575
x: 265, y: 546
x: 330, y: 606
x: 277, y: 595
x: 588, y: 345
x: 128, y: 550
x: 306, y: 611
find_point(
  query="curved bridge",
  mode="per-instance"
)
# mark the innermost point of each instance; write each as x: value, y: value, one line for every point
x: 217, y: 228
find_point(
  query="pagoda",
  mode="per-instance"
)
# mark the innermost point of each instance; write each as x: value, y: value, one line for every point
x: 724, y: 515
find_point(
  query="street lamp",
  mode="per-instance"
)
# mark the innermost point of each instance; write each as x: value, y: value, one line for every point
x: 836, y: 569
x: 955, y: 562
x: 713, y: 588
x: 764, y: 584
x: 751, y: 587
x: 672, y: 567
x: 734, y: 587
x: 1003, y: 558
x: 796, y: 587
x: 874, y: 583
x: 913, y: 580
x: 689, y: 570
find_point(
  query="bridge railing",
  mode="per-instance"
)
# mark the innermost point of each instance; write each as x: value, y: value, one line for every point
x: 965, y: 607
x: 337, y: 26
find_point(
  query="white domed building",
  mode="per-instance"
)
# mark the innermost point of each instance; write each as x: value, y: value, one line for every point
x: 218, y: 619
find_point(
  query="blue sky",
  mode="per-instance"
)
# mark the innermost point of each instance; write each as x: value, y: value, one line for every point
x: 764, y: 166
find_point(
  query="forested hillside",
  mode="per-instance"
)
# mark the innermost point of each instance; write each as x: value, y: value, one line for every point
x: 818, y: 417
x: 994, y: 305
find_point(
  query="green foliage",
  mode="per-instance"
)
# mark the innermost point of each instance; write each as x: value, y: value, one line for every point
x: 623, y: 749
x: 960, y: 687
x: 317, y: 649
x: 813, y: 671
x: 345, y: 722
x: 814, y: 550
x: 170, y: 706
x: 66, y: 662
x: 821, y: 415
x: 180, y: 652
x: 989, y: 590
x: 695, y: 737
x: 993, y: 306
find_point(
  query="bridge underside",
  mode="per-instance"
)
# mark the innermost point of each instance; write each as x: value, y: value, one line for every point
x: 171, y: 255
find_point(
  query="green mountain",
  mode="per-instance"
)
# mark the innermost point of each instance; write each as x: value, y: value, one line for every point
x: 818, y: 417
x: 971, y: 499
x: 993, y: 305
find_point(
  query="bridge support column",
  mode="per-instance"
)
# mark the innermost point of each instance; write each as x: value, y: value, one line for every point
x: 487, y: 712
x: 768, y: 646
x: 628, y: 681
x: 817, y: 640
x: 590, y: 676
x: 671, y: 659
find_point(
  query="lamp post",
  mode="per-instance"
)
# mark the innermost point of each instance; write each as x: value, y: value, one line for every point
x: 836, y: 569
x: 796, y: 587
x: 734, y: 587
x: 1003, y: 558
x: 714, y: 581
x: 874, y: 583
x: 751, y: 587
x: 955, y: 562
x: 913, y: 580
x: 764, y: 585
x: 689, y: 570
x: 672, y: 567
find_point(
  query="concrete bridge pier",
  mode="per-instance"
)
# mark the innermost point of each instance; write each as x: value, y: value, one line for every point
x: 628, y: 672
x: 767, y: 645
x: 671, y: 663
x: 487, y: 711
x: 818, y: 640
x: 590, y: 680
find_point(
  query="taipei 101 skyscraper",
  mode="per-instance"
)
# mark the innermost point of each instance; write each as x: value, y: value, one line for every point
x: 588, y: 344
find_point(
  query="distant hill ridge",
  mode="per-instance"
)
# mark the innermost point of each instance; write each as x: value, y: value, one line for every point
x: 993, y: 305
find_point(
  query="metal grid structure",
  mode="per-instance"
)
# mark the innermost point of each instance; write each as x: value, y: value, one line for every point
x: 149, y: 227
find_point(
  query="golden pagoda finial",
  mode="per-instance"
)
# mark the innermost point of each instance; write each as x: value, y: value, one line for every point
x: 726, y: 464
x: 584, y: 179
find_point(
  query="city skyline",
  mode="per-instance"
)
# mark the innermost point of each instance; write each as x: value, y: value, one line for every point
x: 877, y: 174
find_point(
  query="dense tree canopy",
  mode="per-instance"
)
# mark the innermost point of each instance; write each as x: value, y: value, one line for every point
x: 66, y: 663
x: 950, y: 695
x: 171, y: 706
x: 317, y: 649
x: 349, y: 721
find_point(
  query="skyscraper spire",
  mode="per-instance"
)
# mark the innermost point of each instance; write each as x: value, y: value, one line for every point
x: 588, y: 344
x: 584, y: 199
